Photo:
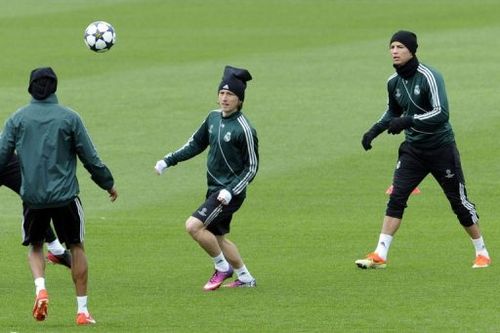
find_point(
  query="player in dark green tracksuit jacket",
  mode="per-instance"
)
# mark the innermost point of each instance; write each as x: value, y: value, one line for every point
x: 48, y: 138
x: 422, y: 97
x: 232, y: 164
x: 232, y: 160
x: 417, y: 104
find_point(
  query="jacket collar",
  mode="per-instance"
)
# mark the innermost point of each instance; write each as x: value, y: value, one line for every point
x: 52, y: 99
x: 232, y: 115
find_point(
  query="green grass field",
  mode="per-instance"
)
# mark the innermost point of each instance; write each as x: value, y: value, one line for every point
x: 319, y: 69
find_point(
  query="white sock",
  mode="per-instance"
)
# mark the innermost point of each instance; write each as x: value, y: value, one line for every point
x: 39, y: 284
x: 221, y: 263
x: 384, y: 242
x: 82, y: 304
x: 55, y: 247
x: 243, y: 274
x: 480, y: 247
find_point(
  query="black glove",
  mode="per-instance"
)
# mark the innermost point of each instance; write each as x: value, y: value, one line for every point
x: 397, y: 125
x: 368, y: 137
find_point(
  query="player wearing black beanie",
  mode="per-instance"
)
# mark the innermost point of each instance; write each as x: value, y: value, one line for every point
x: 418, y: 105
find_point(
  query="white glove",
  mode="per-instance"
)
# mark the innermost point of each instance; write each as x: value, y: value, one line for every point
x: 224, y: 196
x: 160, y: 166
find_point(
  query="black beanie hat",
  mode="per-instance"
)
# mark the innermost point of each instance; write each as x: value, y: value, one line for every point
x: 235, y: 80
x: 43, y: 83
x: 407, y: 38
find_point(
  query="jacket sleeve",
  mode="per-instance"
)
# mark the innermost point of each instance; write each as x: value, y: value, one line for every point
x: 249, y: 147
x: 87, y: 154
x: 196, y: 144
x: 438, y: 101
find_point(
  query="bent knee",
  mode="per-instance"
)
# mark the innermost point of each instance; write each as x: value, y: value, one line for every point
x: 193, y: 225
x: 396, y: 207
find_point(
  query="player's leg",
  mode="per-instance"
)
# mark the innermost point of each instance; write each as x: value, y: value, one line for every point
x: 79, y: 269
x: 232, y: 254
x: 220, y: 228
x: 37, y: 265
x: 70, y: 225
x: 409, y: 172
x: 207, y: 241
x: 206, y: 224
x: 50, y: 235
x: 34, y: 226
x: 56, y: 253
x: 79, y: 274
x: 37, y: 262
x: 448, y: 173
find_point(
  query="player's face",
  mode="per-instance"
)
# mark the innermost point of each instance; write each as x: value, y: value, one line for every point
x: 399, y: 53
x: 228, y: 101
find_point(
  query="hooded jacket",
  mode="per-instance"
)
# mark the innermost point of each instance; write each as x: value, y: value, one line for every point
x: 48, y: 139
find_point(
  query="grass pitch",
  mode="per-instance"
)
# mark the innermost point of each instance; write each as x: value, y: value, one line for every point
x: 316, y: 205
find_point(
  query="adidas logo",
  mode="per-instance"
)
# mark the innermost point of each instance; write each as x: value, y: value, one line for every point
x: 226, y: 86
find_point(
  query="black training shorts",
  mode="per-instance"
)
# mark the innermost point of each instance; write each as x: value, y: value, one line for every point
x: 215, y: 216
x: 68, y: 221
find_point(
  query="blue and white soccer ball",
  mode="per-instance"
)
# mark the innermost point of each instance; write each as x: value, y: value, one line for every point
x: 99, y: 36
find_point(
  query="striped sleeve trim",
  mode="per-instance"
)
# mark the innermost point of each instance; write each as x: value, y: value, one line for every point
x: 436, y: 103
x: 252, y: 170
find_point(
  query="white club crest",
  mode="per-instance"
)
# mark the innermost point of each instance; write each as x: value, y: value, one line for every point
x: 416, y: 91
x: 227, y: 137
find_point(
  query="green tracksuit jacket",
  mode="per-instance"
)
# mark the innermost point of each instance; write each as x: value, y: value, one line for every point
x: 47, y: 138
x: 423, y: 97
x: 233, y: 157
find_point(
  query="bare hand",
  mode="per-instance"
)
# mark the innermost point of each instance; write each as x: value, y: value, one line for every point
x: 113, y: 194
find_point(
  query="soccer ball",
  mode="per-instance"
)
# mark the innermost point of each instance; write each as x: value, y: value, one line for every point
x: 99, y: 36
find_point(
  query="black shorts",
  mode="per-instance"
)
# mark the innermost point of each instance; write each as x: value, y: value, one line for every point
x: 444, y: 164
x: 68, y: 221
x: 215, y: 216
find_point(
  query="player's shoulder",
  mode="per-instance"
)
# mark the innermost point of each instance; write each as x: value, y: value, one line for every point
x: 70, y: 111
x: 430, y: 73
x: 215, y: 113
x: 20, y: 114
x: 243, y: 117
x: 392, y: 77
x: 392, y: 80
x: 245, y: 124
x: 213, y: 116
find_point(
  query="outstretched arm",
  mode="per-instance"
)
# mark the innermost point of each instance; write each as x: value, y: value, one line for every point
x: 196, y: 144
